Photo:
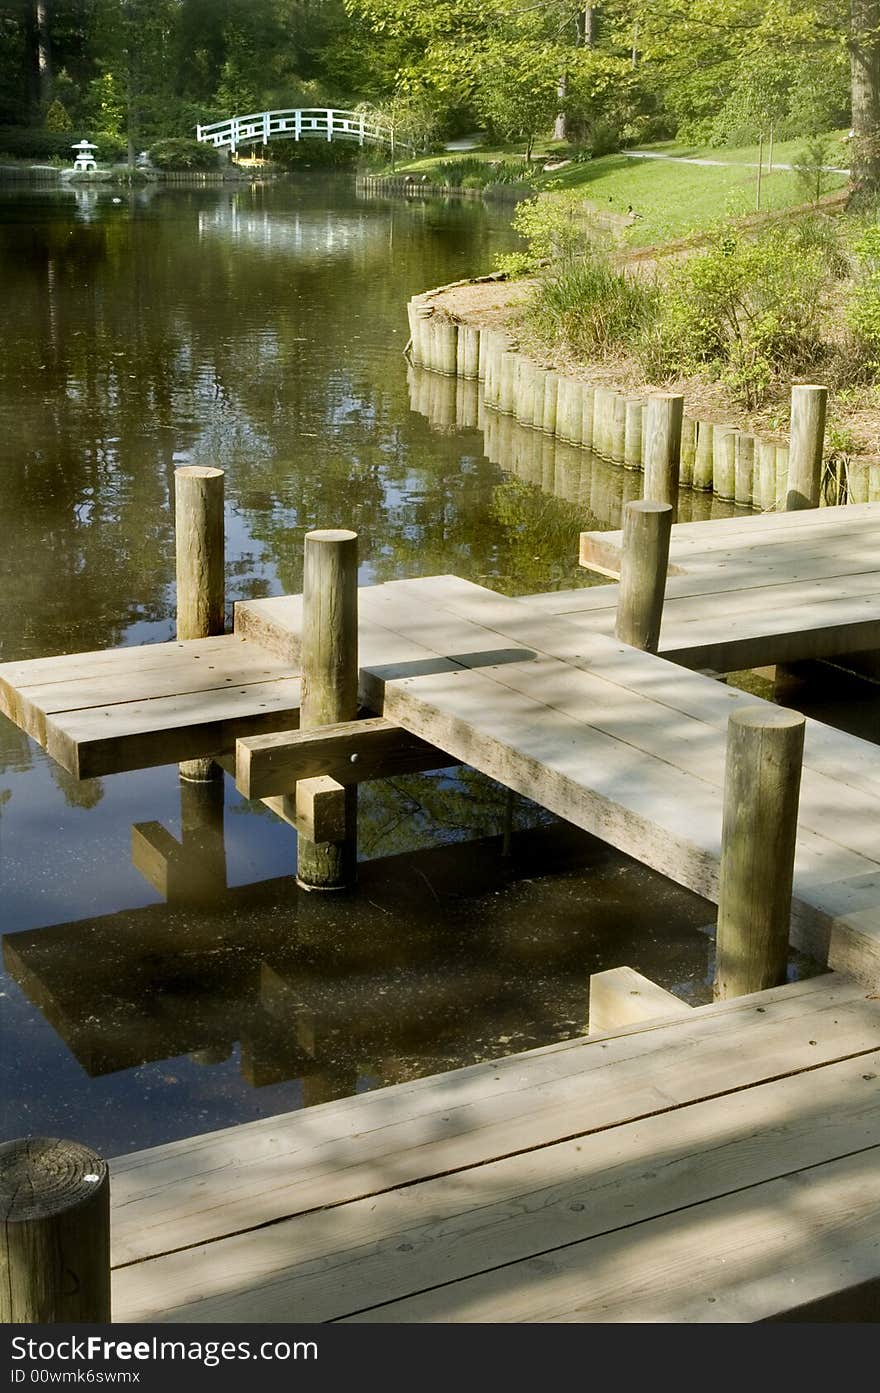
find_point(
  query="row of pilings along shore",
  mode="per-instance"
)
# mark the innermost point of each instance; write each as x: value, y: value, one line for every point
x: 737, y: 466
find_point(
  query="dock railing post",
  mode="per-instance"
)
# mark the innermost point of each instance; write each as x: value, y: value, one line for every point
x: 330, y: 684
x: 662, y: 462
x: 808, y: 408
x: 643, y: 563
x: 200, y: 547
x: 54, y: 1234
x: 765, y: 746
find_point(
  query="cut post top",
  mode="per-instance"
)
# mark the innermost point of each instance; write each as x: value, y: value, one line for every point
x: 198, y: 471
x: 44, y: 1176
x: 647, y: 505
x: 332, y: 534
x: 767, y: 718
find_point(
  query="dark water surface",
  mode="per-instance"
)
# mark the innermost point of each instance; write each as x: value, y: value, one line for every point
x: 263, y: 330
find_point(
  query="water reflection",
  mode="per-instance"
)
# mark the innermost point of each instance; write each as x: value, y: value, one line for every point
x: 593, y: 486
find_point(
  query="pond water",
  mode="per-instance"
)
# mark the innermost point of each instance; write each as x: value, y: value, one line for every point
x: 262, y: 329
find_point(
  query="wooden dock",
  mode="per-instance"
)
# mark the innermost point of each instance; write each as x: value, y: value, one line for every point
x: 626, y: 745
x: 716, y: 1166
x: 751, y: 591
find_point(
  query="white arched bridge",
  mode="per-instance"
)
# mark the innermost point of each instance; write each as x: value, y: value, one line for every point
x: 300, y: 123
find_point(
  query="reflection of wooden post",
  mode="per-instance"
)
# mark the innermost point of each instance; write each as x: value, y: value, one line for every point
x: 54, y: 1234
x: 765, y: 747
x: 643, y: 562
x: 808, y: 406
x: 198, y: 521
x: 329, y: 684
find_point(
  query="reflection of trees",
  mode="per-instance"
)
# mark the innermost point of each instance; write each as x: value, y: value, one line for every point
x: 133, y: 343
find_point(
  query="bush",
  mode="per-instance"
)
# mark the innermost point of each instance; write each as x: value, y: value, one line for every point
x: 180, y: 153
x: 556, y: 229
x: 745, y: 312
x: 57, y: 118
x: 863, y: 308
x: 809, y: 167
x: 28, y: 143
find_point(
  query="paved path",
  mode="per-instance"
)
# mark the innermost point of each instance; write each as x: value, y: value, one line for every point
x: 723, y: 164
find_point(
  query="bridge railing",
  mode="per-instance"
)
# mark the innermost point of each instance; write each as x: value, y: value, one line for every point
x: 298, y: 123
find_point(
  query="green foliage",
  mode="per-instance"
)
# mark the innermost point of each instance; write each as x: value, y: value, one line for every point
x: 555, y: 229
x: 106, y: 105
x: 863, y: 306
x: 810, y: 167
x: 27, y: 143
x: 57, y: 118
x: 745, y: 312
x: 591, y: 309
x: 179, y: 153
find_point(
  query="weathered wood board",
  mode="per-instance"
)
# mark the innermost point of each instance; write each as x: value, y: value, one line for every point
x: 129, y: 708
x: 631, y: 1176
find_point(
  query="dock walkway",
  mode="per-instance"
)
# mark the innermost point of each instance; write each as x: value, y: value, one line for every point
x: 625, y: 745
x: 716, y: 1166
x: 751, y: 591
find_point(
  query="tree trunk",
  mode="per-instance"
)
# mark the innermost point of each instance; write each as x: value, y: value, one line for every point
x: 589, y: 26
x: 560, y: 126
x: 44, y: 51
x: 864, y: 50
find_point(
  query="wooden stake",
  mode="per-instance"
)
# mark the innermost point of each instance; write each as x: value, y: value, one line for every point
x: 808, y: 407
x: 665, y: 412
x: 329, y: 684
x: 643, y: 562
x: 765, y: 747
x: 200, y: 547
x: 54, y: 1234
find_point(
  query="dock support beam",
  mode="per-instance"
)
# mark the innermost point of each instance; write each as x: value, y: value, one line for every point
x: 643, y: 563
x: 765, y: 747
x: 200, y: 546
x: 54, y: 1234
x: 808, y: 407
x: 662, y: 462
x: 330, y: 685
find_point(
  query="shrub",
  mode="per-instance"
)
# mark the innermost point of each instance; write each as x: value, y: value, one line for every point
x: 180, y: 153
x: 27, y: 143
x: 809, y: 167
x: 556, y: 230
x: 863, y: 308
x: 57, y: 118
x: 746, y: 312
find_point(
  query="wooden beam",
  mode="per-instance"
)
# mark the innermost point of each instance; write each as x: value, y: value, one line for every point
x: 621, y: 997
x: 349, y: 751
x: 319, y: 809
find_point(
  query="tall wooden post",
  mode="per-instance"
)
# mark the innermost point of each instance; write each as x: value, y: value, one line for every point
x: 200, y: 545
x: 644, y: 559
x: 808, y: 407
x: 330, y: 684
x: 665, y: 413
x: 765, y: 746
x: 54, y: 1233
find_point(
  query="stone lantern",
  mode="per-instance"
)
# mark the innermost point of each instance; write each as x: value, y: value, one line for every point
x: 85, y: 161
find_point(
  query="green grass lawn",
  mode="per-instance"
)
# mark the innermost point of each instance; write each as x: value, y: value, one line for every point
x: 672, y: 200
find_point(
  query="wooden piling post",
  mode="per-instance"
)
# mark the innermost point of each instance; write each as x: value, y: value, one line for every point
x: 724, y: 465
x: 505, y: 401
x: 538, y: 383
x: 688, y: 451
x: 200, y: 548
x: 704, y: 456
x: 665, y: 412
x: 468, y: 351
x: 617, y: 440
x: 632, y: 444
x: 765, y: 474
x: 765, y: 747
x: 643, y: 564
x: 525, y: 392
x: 807, y: 443
x: 330, y: 684
x: 744, y: 468
x: 54, y: 1233
x: 587, y: 410
x: 551, y: 387
x: 570, y: 410
x: 445, y: 355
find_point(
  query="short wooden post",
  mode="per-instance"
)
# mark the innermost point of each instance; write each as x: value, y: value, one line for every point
x: 588, y: 408
x: 643, y: 563
x: 807, y: 443
x: 665, y: 412
x: 506, y: 390
x: 724, y: 466
x: 330, y: 684
x: 744, y: 468
x: 632, y: 444
x: 54, y: 1233
x: 765, y: 746
x: 200, y: 547
x: 617, y: 442
x: 551, y: 389
x: 688, y: 451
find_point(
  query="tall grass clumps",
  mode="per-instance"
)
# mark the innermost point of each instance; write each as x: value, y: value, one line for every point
x: 591, y: 309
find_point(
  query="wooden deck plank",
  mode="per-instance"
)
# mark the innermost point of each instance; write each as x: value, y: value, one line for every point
x: 444, y: 1233
x: 197, y: 1190
x: 747, y: 1256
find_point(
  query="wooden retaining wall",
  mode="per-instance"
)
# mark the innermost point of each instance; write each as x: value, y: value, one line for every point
x: 734, y: 465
